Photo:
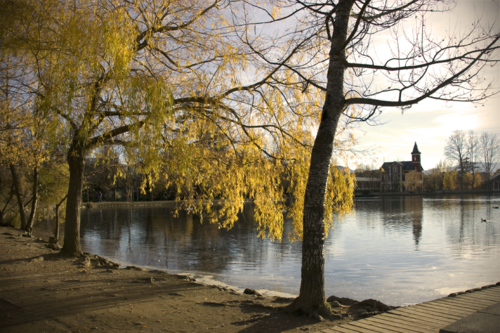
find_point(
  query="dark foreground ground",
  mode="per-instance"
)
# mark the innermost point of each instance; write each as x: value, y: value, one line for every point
x: 43, y: 292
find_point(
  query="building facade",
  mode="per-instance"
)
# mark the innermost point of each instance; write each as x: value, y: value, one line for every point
x: 403, y: 176
x: 495, y: 182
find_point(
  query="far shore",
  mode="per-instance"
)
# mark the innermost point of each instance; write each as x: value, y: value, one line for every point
x: 159, y: 203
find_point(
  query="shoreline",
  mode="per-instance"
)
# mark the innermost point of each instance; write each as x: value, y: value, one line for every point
x: 42, y: 291
x: 164, y: 203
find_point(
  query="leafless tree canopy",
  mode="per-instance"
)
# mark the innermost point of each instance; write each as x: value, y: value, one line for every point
x: 394, y: 57
x: 489, y: 152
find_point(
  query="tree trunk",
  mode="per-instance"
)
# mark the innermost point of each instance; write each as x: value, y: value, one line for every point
x: 56, y: 230
x: 76, y: 162
x: 19, y: 196
x: 2, y: 213
x: 31, y: 220
x: 312, y: 287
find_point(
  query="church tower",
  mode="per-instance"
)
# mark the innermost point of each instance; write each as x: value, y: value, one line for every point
x: 415, y: 158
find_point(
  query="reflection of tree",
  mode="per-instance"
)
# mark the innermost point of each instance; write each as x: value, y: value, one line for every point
x: 466, y: 234
x: 399, y: 212
x: 156, y: 237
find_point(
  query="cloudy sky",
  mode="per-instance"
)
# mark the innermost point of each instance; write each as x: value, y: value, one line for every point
x: 430, y: 123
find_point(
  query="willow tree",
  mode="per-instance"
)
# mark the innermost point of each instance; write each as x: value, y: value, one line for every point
x: 334, y: 46
x: 20, y: 140
x: 170, y: 84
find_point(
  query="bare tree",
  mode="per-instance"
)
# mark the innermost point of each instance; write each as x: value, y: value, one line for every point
x: 456, y: 151
x: 489, y: 151
x: 331, y: 48
x: 472, y: 147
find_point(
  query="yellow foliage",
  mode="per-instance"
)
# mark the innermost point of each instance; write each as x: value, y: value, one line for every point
x: 165, y: 83
x: 449, y: 180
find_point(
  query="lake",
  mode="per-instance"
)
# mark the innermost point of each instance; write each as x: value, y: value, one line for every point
x: 399, y: 250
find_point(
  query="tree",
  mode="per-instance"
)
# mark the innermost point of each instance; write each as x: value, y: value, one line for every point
x: 106, y: 90
x: 489, y: 153
x: 413, y: 180
x: 24, y: 126
x: 456, y: 150
x: 449, y: 180
x: 155, y: 79
x: 434, y: 179
x: 330, y: 47
x: 472, y: 146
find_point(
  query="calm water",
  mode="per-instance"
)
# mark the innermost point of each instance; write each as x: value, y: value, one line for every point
x: 399, y: 250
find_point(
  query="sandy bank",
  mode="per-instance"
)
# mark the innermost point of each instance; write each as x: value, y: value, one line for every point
x: 43, y: 292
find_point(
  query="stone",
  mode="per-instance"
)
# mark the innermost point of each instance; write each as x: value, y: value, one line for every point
x: 37, y: 259
x: 135, y: 268
x: 369, y: 305
x: 342, y: 300
x: 250, y: 291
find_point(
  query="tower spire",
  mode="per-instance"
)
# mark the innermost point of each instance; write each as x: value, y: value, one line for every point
x: 415, y: 149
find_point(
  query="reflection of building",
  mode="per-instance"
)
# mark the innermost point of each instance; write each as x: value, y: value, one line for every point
x: 401, y: 211
x: 402, y: 176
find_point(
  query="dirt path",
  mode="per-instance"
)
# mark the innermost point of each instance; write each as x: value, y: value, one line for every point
x: 43, y: 292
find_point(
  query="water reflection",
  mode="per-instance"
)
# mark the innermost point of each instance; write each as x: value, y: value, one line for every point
x: 403, y: 213
x: 400, y: 250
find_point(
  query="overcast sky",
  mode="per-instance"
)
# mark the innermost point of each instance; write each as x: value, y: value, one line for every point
x: 430, y: 123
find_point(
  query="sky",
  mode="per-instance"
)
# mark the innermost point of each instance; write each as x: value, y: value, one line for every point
x: 430, y: 123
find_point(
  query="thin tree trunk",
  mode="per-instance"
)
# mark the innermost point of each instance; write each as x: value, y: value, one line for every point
x: 18, y: 191
x: 76, y: 163
x: 312, y: 287
x: 2, y: 213
x: 31, y: 220
x: 56, y: 231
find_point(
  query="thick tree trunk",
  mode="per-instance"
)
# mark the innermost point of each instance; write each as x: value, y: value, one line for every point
x: 76, y: 162
x: 31, y: 220
x: 312, y: 287
x: 19, y: 196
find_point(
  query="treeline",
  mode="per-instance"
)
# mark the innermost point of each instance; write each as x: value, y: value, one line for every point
x: 472, y: 160
x: 442, y: 177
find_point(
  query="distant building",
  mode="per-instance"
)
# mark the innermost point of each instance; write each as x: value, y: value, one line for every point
x: 495, y: 182
x: 367, y: 183
x: 395, y: 175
